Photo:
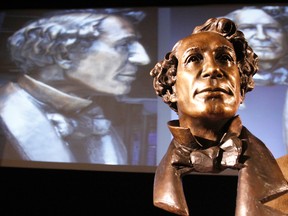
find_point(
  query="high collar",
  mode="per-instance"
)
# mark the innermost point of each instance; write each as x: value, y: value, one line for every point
x: 184, y: 137
x: 46, y: 94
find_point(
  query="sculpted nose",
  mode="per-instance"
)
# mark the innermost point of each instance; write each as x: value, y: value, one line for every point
x: 212, y: 71
x: 213, y: 74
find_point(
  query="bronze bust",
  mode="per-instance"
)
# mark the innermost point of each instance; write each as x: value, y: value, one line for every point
x: 204, y: 79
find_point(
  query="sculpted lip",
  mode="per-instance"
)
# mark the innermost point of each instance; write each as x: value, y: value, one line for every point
x: 212, y: 90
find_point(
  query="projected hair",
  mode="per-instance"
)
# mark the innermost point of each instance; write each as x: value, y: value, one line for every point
x: 53, y: 37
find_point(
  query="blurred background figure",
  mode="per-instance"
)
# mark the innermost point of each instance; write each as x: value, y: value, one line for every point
x: 74, y: 66
x: 266, y: 30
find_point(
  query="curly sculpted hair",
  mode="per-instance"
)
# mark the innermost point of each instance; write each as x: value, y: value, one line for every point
x: 164, y: 72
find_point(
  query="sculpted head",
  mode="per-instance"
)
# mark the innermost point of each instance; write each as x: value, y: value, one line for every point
x: 213, y: 66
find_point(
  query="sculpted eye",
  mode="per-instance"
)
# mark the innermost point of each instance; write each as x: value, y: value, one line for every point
x: 194, y: 58
x: 224, y: 57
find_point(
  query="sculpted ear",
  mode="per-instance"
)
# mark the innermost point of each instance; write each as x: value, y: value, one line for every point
x: 63, y: 60
x: 242, y: 96
x: 173, y: 96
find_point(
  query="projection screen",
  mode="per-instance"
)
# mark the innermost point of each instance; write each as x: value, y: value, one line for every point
x: 61, y: 101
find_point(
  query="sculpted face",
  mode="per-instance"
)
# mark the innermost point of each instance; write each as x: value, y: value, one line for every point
x: 113, y: 59
x: 208, y: 80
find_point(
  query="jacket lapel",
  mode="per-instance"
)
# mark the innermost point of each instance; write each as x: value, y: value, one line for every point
x: 260, y: 181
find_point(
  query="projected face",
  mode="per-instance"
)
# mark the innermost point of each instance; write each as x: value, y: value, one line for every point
x: 264, y: 34
x: 113, y: 59
x: 208, y: 80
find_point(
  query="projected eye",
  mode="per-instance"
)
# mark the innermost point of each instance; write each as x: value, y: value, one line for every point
x: 248, y: 28
x: 273, y: 29
x: 123, y: 46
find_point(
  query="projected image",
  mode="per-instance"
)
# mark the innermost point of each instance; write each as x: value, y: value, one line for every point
x: 265, y: 29
x: 75, y: 86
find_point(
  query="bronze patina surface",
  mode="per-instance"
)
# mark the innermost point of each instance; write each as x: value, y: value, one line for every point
x: 204, y: 79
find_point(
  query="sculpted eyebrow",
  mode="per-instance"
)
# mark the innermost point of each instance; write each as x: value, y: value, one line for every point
x: 191, y: 50
x: 225, y: 48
